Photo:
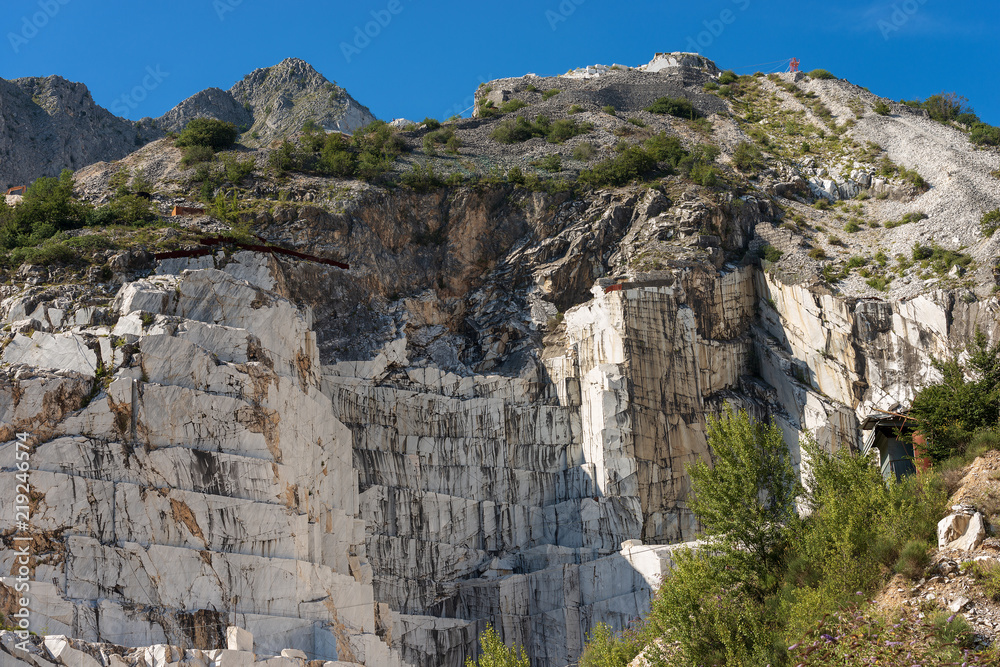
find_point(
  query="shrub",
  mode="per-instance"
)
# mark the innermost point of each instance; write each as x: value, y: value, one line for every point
x: 431, y: 123
x: 675, y: 106
x: 512, y: 131
x: 852, y: 226
x: 605, y: 648
x: 728, y: 77
x: 512, y: 106
x: 985, y: 135
x: 549, y: 94
x: 575, y: 109
x: 209, y: 132
x: 821, y: 74
x: 990, y: 222
x: 236, y: 170
x: 562, y: 130
x: 665, y: 149
x: 421, y: 178
x: 488, y: 109
x: 494, y: 653
x: 47, y: 208
x: 610, y: 110
x: 638, y: 122
x: 551, y: 163
x: 913, y: 559
x: 282, y: 160
x: 770, y: 253
x: 583, y: 151
x: 194, y: 155
x: 131, y: 209
x: 817, y: 254
x: 945, y: 107
x: 624, y: 168
x: 710, y: 86
x: 748, y: 158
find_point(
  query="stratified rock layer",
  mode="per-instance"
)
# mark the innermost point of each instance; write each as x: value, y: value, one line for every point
x: 201, y: 479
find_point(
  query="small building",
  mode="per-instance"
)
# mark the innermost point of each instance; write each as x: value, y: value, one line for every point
x: 889, y: 435
x: 187, y: 210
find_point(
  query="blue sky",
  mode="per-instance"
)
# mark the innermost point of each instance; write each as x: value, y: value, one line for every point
x: 427, y: 59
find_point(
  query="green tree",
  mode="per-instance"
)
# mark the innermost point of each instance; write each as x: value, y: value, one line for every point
x: 494, y: 653
x: 215, y: 134
x: 746, y: 500
x: 48, y: 207
x: 949, y: 411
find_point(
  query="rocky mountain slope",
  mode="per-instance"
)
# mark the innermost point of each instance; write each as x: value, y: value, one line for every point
x: 486, y: 418
x: 50, y: 124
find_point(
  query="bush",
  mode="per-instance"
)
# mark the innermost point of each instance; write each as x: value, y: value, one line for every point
x: 821, y: 74
x: 624, y: 168
x: 675, y: 106
x: 194, y: 155
x: 574, y: 109
x: 606, y: 649
x: 583, y: 151
x: 421, y: 178
x: 494, y: 653
x: 431, y: 123
x: 728, y: 77
x: 512, y: 106
x: 47, y: 208
x: 882, y: 109
x: 913, y: 559
x: 748, y: 158
x: 770, y: 253
x: 549, y: 94
x: 131, y: 209
x: 817, y: 254
x: 208, y: 132
x: 610, y: 110
x: 512, y: 131
x: 990, y: 222
x: 638, y: 122
x: 236, y: 170
x: 551, y: 163
x: 985, y: 135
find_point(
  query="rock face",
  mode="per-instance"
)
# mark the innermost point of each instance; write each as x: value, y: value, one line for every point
x: 50, y: 124
x: 186, y: 468
x: 513, y: 457
x: 211, y: 103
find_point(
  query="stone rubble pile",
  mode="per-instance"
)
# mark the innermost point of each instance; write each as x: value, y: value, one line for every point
x: 55, y: 650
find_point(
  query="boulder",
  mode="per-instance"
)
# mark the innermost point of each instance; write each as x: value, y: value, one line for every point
x: 238, y: 639
x: 951, y: 528
x: 973, y: 536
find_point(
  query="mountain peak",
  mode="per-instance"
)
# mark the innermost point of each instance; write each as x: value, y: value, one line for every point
x: 282, y: 98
